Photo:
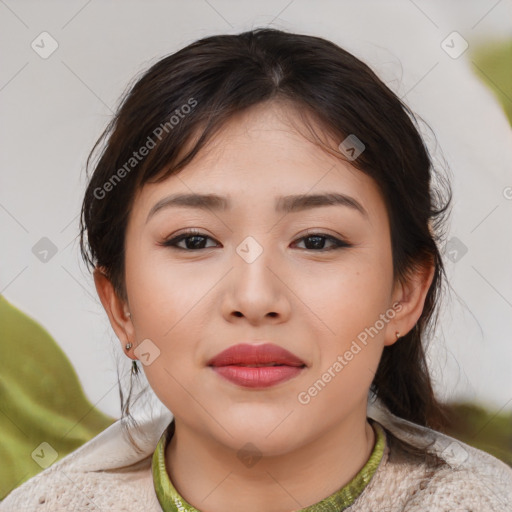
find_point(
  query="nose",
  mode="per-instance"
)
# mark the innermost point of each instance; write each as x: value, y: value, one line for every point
x: 256, y: 288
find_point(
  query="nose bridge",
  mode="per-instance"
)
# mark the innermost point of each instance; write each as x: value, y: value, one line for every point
x: 258, y: 231
x: 253, y: 262
x: 250, y: 250
x: 256, y: 289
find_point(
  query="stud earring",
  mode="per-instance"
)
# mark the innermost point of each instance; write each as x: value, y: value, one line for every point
x: 397, y: 334
x: 129, y: 346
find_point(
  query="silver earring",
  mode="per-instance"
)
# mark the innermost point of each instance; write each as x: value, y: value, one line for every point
x: 397, y: 334
x: 129, y: 346
x: 128, y: 314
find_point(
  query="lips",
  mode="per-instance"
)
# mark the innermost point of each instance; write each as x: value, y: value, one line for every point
x: 253, y: 366
x: 246, y: 354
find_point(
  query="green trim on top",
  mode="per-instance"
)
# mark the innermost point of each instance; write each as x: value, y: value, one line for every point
x: 171, y: 501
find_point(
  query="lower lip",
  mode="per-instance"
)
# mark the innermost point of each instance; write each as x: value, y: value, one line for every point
x: 257, y: 377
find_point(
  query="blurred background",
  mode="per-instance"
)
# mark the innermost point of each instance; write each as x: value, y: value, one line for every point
x: 65, y: 67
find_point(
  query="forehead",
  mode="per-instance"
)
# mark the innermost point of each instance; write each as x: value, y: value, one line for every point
x: 260, y: 154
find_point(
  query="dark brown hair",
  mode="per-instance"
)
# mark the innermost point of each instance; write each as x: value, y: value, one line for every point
x: 189, y: 95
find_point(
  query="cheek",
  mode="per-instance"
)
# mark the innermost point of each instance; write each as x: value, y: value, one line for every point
x: 339, y: 388
x: 345, y: 299
x: 162, y: 291
x: 166, y: 301
x: 350, y: 351
x: 351, y: 309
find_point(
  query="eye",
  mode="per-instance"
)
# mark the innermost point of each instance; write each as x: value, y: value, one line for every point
x: 317, y: 241
x: 195, y: 240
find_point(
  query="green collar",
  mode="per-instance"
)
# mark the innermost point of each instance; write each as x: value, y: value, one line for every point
x: 171, y: 501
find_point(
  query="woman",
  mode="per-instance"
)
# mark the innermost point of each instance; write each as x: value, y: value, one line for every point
x: 264, y: 234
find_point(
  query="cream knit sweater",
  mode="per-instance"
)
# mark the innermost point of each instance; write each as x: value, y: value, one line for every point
x: 106, y: 474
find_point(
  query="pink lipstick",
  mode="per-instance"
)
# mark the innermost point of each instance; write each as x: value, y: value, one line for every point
x: 256, y: 366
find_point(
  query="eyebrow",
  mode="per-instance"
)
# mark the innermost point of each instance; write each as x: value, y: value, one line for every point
x: 284, y: 204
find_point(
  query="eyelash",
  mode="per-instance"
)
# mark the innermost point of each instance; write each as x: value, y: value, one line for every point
x: 172, y: 242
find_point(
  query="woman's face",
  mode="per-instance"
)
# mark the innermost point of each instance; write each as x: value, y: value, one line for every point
x: 262, y: 270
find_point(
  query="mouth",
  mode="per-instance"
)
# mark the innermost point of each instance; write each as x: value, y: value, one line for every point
x: 257, y: 376
x: 262, y: 365
x: 256, y: 366
x: 250, y: 354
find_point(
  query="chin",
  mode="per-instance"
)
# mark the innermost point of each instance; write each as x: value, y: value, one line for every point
x: 269, y: 430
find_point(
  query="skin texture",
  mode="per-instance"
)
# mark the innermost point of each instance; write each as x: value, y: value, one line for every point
x: 312, y: 301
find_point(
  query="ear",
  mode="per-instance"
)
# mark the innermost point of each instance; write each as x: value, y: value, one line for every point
x: 115, y: 308
x: 411, y: 295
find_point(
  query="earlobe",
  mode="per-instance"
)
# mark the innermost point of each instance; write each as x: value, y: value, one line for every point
x: 114, y: 307
x: 411, y: 296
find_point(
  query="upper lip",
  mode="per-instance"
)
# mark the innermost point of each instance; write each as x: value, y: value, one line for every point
x: 248, y: 353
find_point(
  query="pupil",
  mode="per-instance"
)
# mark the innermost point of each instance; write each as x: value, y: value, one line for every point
x: 318, y: 239
x: 196, y: 243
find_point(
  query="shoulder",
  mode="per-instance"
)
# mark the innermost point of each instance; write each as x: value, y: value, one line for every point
x: 463, y: 489
x: 465, y: 478
x: 106, y: 473
x: 470, y: 479
x: 64, y: 488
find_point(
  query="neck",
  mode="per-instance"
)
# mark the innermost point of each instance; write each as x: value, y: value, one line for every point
x: 210, y: 477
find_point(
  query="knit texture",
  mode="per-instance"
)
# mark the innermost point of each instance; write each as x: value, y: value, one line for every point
x: 107, y: 474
